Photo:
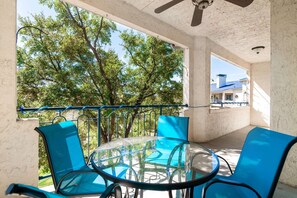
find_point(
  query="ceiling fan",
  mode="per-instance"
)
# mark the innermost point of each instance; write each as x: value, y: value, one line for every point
x: 200, y: 5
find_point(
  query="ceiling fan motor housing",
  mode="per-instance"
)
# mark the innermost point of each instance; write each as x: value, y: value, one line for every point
x: 202, y: 4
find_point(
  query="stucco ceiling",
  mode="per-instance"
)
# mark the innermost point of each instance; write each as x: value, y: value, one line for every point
x: 236, y: 29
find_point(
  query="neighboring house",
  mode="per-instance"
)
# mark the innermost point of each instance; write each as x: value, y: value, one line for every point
x: 233, y: 91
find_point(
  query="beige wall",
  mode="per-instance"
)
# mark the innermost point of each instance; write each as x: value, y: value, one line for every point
x: 206, y: 124
x: 18, y: 142
x: 284, y: 77
x: 19, y: 154
x: 260, y: 94
x: 199, y: 61
x: 223, y: 121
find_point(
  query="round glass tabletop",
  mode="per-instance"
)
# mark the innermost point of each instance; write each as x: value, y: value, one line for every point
x: 155, y: 163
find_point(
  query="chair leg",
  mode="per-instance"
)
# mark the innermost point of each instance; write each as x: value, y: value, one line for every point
x: 118, y: 192
x: 112, y: 189
x: 170, y: 194
x: 190, y: 192
x: 127, y: 195
x: 136, y: 192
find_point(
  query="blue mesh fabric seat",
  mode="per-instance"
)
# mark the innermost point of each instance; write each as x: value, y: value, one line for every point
x: 71, y: 175
x: 167, y: 154
x: 258, y: 169
x: 170, y: 127
x: 173, y: 127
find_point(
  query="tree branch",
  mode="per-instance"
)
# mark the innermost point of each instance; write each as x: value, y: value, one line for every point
x: 92, y: 78
x: 97, y: 56
x: 98, y: 32
x: 133, y: 59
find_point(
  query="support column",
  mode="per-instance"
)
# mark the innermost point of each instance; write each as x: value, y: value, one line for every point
x: 199, y: 89
x: 206, y: 123
x: 18, y: 142
x: 284, y: 77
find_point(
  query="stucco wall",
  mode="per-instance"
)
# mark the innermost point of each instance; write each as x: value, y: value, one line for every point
x: 284, y: 77
x: 18, y: 142
x: 222, y: 121
x: 260, y: 94
x: 206, y: 124
x: 19, y: 154
x: 199, y: 90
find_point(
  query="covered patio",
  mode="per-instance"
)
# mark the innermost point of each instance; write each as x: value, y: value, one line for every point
x: 227, y: 31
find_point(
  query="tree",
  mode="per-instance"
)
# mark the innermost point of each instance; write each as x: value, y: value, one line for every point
x: 65, y: 61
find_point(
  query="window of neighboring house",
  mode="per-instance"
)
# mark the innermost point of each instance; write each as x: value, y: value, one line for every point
x: 227, y: 77
x: 229, y: 97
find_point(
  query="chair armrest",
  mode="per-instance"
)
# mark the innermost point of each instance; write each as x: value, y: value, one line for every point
x: 201, y: 153
x: 230, y: 182
x: 30, y: 191
x: 179, y: 146
x: 113, y: 188
x: 226, y: 163
x: 76, y: 173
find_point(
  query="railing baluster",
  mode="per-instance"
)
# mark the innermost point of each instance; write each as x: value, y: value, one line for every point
x: 108, y: 128
x: 144, y: 128
x: 99, y: 125
x: 117, y: 127
x: 138, y: 124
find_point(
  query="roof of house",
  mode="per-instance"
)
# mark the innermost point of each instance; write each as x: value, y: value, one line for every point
x: 229, y: 86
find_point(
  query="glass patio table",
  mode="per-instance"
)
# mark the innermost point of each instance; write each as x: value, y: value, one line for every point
x: 155, y: 163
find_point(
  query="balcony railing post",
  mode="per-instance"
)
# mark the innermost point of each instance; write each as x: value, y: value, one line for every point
x: 98, y: 125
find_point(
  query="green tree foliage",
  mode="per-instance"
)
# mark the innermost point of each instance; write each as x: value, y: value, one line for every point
x: 66, y: 60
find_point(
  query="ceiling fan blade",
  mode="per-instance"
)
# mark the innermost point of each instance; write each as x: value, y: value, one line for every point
x: 197, y: 16
x: 167, y: 5
x: 241, y: 3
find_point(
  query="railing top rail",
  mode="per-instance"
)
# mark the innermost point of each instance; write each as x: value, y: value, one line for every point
x: 229, y: 102
x: 47, y: 108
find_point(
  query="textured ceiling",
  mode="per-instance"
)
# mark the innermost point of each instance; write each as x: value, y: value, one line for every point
x: 236, y: 29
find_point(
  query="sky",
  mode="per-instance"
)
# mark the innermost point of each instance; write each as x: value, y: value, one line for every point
x: 27, y: 7
x: 218, y: 66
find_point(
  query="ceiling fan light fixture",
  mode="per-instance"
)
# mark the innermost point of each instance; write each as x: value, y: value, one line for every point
x: 202, y: 4
x: 258, y: 49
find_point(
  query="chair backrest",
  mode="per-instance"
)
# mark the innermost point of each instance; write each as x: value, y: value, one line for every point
x: 63, y: 148
x: 173, y: 127
x: 262, y: 158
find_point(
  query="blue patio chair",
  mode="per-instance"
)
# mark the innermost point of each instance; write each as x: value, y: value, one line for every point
x: 30, y: 191
x: 258, y: 169
x: 168, y: 154
x: 170, y: 127
x: 173, y: 127
x: 71, y: 175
